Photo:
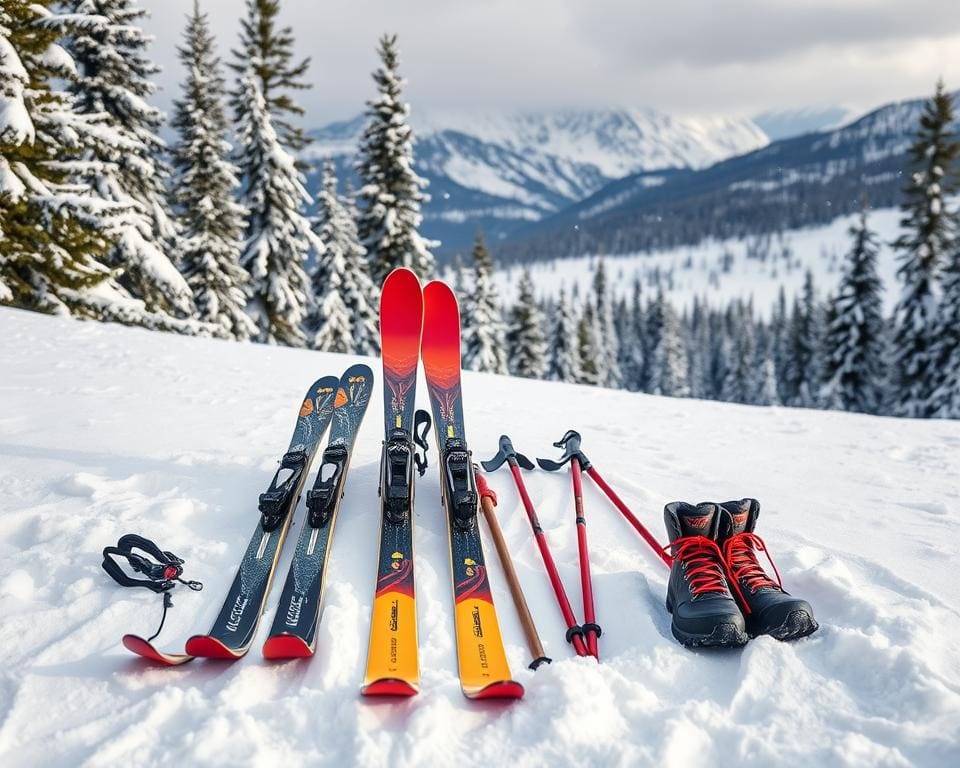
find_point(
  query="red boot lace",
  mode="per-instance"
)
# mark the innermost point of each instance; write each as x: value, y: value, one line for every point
x: 739, y: 552
x: 704, y: 562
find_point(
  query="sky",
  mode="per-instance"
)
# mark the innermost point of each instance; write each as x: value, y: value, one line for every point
x: 686, y: 57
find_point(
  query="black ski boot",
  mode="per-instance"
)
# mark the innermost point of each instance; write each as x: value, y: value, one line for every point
x: 768, y: 609
x: 704, y: 611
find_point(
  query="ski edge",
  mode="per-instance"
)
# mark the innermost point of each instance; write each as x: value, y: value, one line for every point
x: 287, y: 646
x: 209, y: 647
x: 503, y: 689
x: 390, y: 686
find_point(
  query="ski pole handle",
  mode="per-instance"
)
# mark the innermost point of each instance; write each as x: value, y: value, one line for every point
x: 488, y: 500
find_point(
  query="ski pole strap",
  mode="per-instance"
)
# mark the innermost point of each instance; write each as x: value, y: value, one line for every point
x: 421, y: 426
x: 161, y: 575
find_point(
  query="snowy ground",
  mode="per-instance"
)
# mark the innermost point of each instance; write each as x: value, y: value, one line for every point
x: 105, y: 430
x: 720, y: 270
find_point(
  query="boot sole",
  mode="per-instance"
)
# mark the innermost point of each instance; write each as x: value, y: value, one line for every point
x: 722, y: 636
x: 797, y: 624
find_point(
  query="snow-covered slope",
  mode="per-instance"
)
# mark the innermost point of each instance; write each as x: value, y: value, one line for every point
x: 717, y: 271
x: 508, y: 168
x: 107, y: 430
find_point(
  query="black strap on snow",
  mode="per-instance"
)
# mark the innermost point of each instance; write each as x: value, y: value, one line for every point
x: 161, y: 576
x: 421, y: 426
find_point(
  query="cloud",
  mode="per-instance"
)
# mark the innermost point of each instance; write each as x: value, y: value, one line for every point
x: 684, y: 56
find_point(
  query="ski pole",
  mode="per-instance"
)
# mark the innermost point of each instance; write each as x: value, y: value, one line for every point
x: 488, y: 500
x: 516, y: 460
x: 570, y: 442
x: 631, y: 518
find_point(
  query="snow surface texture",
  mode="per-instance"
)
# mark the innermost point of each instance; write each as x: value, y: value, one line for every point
x: 107, y: 430
x: 718, y: 271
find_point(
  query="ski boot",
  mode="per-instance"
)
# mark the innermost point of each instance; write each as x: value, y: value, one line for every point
x: 704, y: 611
x: 768, y: 609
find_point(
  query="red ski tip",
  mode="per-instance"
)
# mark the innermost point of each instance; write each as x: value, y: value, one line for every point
x: 211, y: 648
x: 389, y: 687
x: 145, y: 649
x: 286, y: 647
x: 507, y: 689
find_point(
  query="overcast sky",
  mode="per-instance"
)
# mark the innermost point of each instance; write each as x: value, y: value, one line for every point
x: 736, y: 57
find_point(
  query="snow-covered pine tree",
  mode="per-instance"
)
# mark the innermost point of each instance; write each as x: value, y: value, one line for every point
x: 945, y: 400
x: 268, y: 51
x: 608, y: 353
x: 278, y: 234
x: 52, y: 237
x: 526, y: 344
x: 484, y: 338
x: 204, y: 183
x: 633, y: 345
x: 670, y: 360
x: 653, y: 331
x: 742, y: 382
x: 391, y: 192
x: 341, y: 269
x: 698, y: 347
x: 779, y: 321
x: 113, y: 82
x: 855, y: 339
x: 766, y: 369
x: 587, y: 344
x: 564, y: 343
x: 802, y: 375
x: 927, y: 238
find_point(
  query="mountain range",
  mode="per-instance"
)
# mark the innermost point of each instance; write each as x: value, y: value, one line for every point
x: 505, y: 171
x: 570, y: 182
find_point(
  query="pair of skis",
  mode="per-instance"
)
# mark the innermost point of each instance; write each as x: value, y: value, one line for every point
x: 425, y: 325
x: 343, y: 402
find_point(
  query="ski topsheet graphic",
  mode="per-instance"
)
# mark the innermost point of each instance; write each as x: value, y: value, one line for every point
x: 233, y: 630
x: 392, y: 659
x: 294, y: 631
x: 484, y: 672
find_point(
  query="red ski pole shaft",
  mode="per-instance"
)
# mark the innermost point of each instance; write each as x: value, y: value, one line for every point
x: 573, y: 629
x: 631, y: 518
x: 590, y: 627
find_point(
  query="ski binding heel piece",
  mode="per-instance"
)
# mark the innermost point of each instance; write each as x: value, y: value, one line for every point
x: 461, y: 484
x: 275, y: 502
x: 397, y: 480
x: 322, y: 498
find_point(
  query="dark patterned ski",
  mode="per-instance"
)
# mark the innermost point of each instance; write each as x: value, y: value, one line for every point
x: 233, y: 631
x: 294, y: 630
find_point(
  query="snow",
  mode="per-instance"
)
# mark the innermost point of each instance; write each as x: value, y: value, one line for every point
x: 107, y: 430
x: 697, y: 271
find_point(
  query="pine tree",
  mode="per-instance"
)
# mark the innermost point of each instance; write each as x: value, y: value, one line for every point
x: 392, y: 193
x: 113, y: 82
x: 945, y: 399
x: 927, y: 238
x: 267, y: 51
x: 670, y: 355
x: 741, y: 384
x: 802, y: 375
x: 564, y: 341
x: 211, y: 220
x: 484, y: 338
x: 609, y: 350
x: 525, y: 339
x: 633, y: 351
x: 342, y: 269
x: 52, y: 238
x: 587, y: 344
x: 278, y: 234
x: 854, y: 350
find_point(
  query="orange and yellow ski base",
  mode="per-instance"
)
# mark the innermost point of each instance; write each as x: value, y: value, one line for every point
x: 393, y: 667
x: 484, y: 672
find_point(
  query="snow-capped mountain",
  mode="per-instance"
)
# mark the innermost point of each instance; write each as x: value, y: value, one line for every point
x: 786, y: 123
x: 797, y: 182
x: 500, y: 170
